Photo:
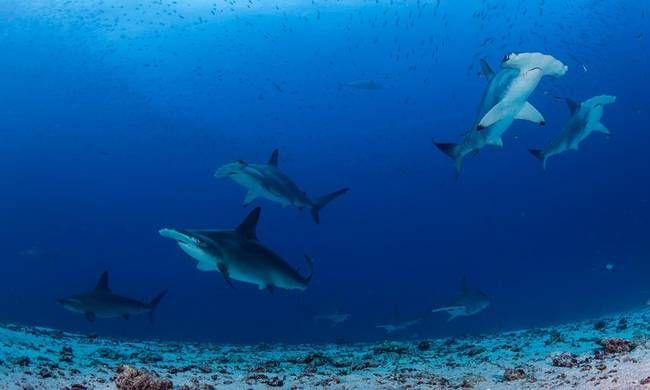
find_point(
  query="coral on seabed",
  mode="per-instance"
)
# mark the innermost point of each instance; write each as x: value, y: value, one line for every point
x: 129, y: 378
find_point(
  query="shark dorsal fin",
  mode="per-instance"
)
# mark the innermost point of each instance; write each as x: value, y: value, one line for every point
x: 464, y: 289
x: 273, y: 160
x: 486, y: 70
x: 249, y: 225
x: 102, y: 283
x: 573, y: 106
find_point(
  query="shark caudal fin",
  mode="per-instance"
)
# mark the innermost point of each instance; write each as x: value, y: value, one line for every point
x: 324, y: 201
x: 450, y: 149
x: 154, y: 304
x: 539, y: 154
x: 310, y: 265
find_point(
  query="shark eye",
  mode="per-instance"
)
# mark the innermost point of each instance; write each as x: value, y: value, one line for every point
x: 507, y: 57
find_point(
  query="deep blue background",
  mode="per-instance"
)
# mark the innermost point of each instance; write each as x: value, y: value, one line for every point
x: 115, y: 115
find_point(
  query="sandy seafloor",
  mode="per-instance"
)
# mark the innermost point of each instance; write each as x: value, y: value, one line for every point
x: 607, y: 353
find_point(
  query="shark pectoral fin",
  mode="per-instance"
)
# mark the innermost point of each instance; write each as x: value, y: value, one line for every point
x: 90, y: 316
x: 126, y: 316
x: 530, y: 113
x: 573, y: 105
x: 600, y: 128
x: 498, y: 112
x: 495, y: 142
x: 226, y: 276
x: 205, y: 266
x: 250, y: 198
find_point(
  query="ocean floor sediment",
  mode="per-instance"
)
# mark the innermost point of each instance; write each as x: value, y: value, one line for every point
x: 610, y: 353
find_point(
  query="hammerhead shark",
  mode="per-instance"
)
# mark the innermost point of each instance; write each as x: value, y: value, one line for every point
x: 585, y: 119
x: 238, y: 255
x: 334, y: 319
x: 392, y: 328
x: 101, y: 302
x: 504, y: 100
x: 268, y: 181
x: 468, y: 303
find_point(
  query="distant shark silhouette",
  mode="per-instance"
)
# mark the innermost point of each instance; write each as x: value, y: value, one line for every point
x: 468, y: 303
x: 585, y: 119
x: 391, y: 328
x: 269, y: 182
x: 102, y: 303
x: 504, y: 100
x: 333, y: 318
x: 239, y: 255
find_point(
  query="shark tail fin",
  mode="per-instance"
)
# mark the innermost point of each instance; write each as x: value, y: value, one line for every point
x: 310, y: 265
x: 452, y: 315
x: 539, y: 154
x: 154, y: 304
x: 323, y: 201
x: 450, y: 150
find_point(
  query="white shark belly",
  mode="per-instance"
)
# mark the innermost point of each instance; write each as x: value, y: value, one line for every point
x: 256, y: 186
x: 263, y: 277
x: 205, y: 262
x: 514, y: 99
x: 495, y: 132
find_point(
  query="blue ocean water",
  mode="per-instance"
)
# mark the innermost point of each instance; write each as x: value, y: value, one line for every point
x: 116, y: 114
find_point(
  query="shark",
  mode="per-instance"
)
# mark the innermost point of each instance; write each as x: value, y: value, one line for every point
x: 238, y: 255
x: 333, y: 318
x: 504, y: 100
x: 391, y: 328
x: 468, y: 303
x: 101, y: 302
x: 269, y: 182
x: 585, y: 119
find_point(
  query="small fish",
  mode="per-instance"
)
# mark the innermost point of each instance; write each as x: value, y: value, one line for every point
x: 609, y: 266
